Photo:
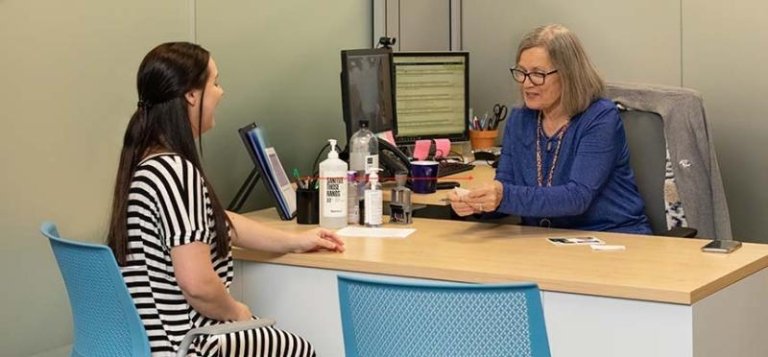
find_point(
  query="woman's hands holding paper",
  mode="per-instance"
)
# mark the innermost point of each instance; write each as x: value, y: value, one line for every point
x: 484, y: 199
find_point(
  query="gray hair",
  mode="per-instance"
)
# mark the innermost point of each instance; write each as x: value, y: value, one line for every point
x: 581, y: 84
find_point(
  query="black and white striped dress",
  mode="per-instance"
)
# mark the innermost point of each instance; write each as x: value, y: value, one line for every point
x: 168, y: 206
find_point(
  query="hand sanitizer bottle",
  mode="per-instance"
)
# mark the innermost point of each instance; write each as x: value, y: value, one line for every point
x: 333, y: 190
x: 373, y: 199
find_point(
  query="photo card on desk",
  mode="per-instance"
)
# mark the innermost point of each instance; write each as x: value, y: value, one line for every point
x: 583, y: 240
x: 271, y: 170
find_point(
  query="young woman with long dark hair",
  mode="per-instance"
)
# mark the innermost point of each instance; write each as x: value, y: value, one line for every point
x: 170, y: 234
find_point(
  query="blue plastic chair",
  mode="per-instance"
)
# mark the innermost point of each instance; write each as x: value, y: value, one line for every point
x: 106, y: 322
x: 399, y: 318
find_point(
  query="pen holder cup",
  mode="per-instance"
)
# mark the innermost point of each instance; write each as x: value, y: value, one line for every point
x: 307, y: 206
x: 482, y: 139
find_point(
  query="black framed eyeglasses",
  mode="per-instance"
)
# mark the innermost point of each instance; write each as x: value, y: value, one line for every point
x: 536, y: 78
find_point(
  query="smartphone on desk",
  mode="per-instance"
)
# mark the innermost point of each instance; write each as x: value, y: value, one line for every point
x: 721, y: 246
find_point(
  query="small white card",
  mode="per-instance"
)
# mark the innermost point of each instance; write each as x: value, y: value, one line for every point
x: 582, y: 240
x: 399, y: 233
x: 461, y: 192
x: 607, y: 248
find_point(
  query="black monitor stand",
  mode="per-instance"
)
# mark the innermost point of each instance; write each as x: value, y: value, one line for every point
x: 245, y: 190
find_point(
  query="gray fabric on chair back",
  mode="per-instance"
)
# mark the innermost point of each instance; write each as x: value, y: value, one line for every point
x: 647, y: 156
x: 692, y: 156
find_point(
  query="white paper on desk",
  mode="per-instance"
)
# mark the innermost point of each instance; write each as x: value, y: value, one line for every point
x: 375, y: 232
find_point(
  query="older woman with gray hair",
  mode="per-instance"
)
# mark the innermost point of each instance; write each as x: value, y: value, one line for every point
x: 564, y: 161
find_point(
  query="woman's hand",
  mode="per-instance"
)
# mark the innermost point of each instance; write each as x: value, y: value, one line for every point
x: 258, y: 236
x: 317, y: 239
x: 459, y: 206
x: 486, y: 198
x: 243, y: 312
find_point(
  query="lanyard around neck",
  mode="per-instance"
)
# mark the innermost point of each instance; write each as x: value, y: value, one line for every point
x: 539, y: 167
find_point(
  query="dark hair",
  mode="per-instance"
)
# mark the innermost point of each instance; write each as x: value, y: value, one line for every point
x: 161, y: 121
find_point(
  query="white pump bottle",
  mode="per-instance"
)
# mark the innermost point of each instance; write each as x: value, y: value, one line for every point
x: 333, y: 190
x: 373, y: 199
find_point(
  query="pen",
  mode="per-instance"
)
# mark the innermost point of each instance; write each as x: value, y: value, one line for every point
x: 299, y: 181
x: 491, y: 123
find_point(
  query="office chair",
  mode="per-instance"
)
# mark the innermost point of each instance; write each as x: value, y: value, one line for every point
x: 647, y: 147
x: 396, y: 318
x: 106, y: 322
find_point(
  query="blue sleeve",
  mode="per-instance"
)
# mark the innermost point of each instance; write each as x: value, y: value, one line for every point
x: 595, y: 149
x: 505, y: 169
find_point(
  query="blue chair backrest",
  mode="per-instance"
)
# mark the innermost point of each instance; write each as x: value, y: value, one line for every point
x: 399, y: 318
x: 106, y: 322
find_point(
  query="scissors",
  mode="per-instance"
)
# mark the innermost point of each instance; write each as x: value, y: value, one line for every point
x: 499, y: 115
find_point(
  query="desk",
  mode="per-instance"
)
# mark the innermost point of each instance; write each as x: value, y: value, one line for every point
x: 478, y: 176
x: 660, y: 297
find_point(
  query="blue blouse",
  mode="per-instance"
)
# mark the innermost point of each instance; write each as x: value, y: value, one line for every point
x: 593, y: 187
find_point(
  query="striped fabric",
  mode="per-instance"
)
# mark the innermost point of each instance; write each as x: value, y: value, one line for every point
x: 168, y: 206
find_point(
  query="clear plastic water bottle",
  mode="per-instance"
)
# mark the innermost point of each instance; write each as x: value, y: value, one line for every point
x: 353, y: 209
x: 363, y: 151
x: 363, y: 156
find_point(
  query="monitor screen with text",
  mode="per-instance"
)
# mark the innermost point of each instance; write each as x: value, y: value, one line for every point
x: 431, y: 95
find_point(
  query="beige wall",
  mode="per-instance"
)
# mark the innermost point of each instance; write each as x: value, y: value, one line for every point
x: 725, y: 56
x: 279, y: 63
x: 68, y: 71
x: 617, y: 34
x: 414, y: 33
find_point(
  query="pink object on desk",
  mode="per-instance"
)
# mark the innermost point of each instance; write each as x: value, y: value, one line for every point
x: 421, y: 149
x: 387, y: 135
x: 442, y: 148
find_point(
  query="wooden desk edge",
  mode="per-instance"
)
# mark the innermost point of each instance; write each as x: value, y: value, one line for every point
x: 729, y: 279
x: 322, y: 261
x: 707, y: 285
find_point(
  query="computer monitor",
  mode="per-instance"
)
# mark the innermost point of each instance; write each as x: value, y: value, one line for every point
x: 431, y: 96
x: 366, y: 89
